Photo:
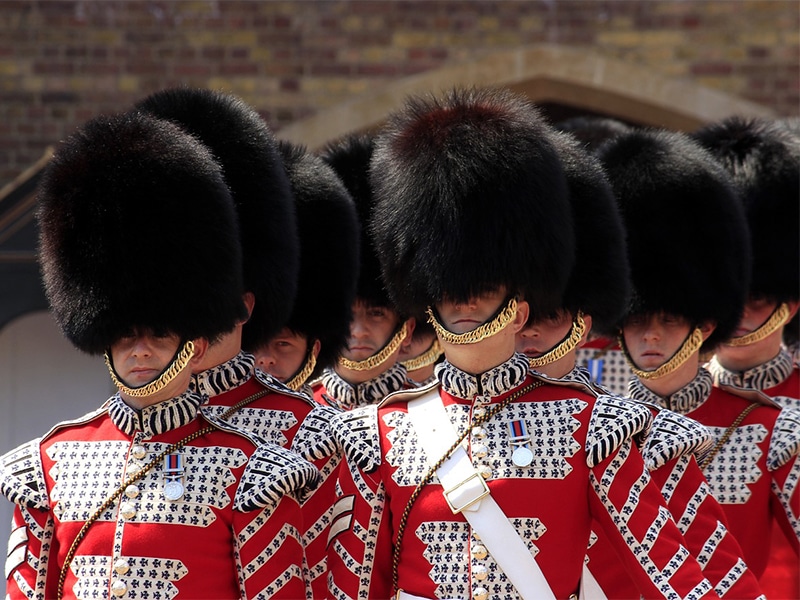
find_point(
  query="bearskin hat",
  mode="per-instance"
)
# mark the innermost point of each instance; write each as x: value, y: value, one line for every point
x: 121, y: 207
x: 350, y: 159
x: 764, y: 159
x: 248, y: 153
x: 600, y: 282
x: 687, y: 237
x: 329, y: 241
x: 592, y: 130
x: 471, y: 197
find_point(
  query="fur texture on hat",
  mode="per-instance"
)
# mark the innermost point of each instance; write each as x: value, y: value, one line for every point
x: 248, y: 153
x: 592, y: 130
x: 329, y: 240
x: 687, y: 235
x: 471, y: 197
x: 123, y: 207
x: 600, y: 282
x: 350, y: 159
x: 764, y: 159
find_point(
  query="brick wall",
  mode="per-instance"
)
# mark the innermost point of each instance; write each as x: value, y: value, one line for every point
x: 62, y: 62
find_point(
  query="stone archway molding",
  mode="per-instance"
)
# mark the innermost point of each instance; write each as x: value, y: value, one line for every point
x: 546, y: 73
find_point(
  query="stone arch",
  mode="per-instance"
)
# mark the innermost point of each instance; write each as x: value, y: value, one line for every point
x: 547, y: 74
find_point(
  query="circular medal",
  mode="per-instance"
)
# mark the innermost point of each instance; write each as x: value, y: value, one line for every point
x: 173, y: 490
x: 522, y: 456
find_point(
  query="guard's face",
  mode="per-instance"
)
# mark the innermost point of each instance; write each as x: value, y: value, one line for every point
x: 653, y: 339
x: 461, y: 317
x: 542, y: 335
x: 283, y: 355
x: 417, y: 346
x: 140, y: 357
x: 371, y: 328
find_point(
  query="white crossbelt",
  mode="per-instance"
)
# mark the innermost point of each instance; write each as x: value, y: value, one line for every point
x: 466, y: 492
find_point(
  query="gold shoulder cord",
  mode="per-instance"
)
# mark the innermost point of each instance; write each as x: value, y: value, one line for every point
x: 564, y: 346
x: 500, y: 322
x: 136, y: 477
x: 296, y: 382
x: 778, y: 317
x: 378, y: 358
x: 430, y: 356
x: 725, y: 436
x: 690, y: 345
x: 178, y: 364
x: 418, y: 490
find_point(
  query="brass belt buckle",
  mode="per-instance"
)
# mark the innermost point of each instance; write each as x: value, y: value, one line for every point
x: 484, y: 492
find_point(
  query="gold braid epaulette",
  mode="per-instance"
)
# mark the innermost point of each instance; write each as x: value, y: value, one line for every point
x: 500, y: 322
x: 570, y: 342
x: 778, y: 317
x: 430, y: 356
x: 379, y: 358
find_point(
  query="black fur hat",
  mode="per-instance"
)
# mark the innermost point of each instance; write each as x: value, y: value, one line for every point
x: 248, y: 153
x: 329, y: 241
x: 471, y: 196
x: 764, y: 159
x: 122, y: 207
x: 687, y: 236
x: 600, y: 282
x: 592, y: 130
x: 350, y: 159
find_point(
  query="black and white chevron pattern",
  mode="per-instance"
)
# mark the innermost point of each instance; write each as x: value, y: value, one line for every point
x: 493, y: 382
x: 22, y: 476
x: 785, y: 440
x: 613, y: 422
x: 272, y: 473
x: 158, y: 418
x: 356, y: 432
x: 673, y: 435
x: 762, y: 377
x: 314, y: 439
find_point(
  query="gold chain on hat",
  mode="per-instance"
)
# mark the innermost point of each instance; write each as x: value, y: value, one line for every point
x: 418, y: 490
x: 778, y: 317
x: 73, y: 549
x: 376, y: 360
x: 570, y: 342
x: 296, y: 382
x: 690, y: 345
x: 430, y: 356
x: 496, y: 325
x: 171, y: 372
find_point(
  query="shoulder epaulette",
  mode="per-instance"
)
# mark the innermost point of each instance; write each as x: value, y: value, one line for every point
x: 356, y: 433
x: 274, y: 385
x: 785, y: 440
x: 22, y: 476
x: 314, y: 439
x: 271, y: 473
x: 752, y: 395
x: 673, y: 435
x: 613, y: 421
x: 406, y: 395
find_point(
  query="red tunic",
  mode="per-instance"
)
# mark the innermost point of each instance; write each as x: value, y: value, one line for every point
x: 585, y: 466
x: 234, y: 533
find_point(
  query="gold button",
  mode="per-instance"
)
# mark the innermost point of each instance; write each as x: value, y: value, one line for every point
x: 121, y: 566
x: 478, y: 551
x: 480, y: 572
x: 127, y: 510
x: 118, y: 588
x: 138, y: 452
x: 132, y: 491
x: 479, y: 412
x: 485, y: 471
x: 479, y: 432
x: 480, y: 593
x: 480, y: 451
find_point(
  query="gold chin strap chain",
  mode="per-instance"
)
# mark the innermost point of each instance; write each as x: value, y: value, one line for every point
x: 62, y: 577
x: 564, y: 346
x: 430, y: 356
x: 690, y: 345
x: 418, y: 490
x: 171, y: 372
x: 725, y: 436
x: 376, y: 360
x: 296, y: 382
x: 480, y: 333
x: 777, y: 319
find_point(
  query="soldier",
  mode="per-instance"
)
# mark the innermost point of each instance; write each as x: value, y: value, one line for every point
x: 367, y: 369
x: 682, y: 213
x: 473, y: 220
x: 423, y: 354
x: 147, y: 496
x: 764, y: 160
x: 598, y: 294
x: 317, y: 328
x: 256, y: 175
